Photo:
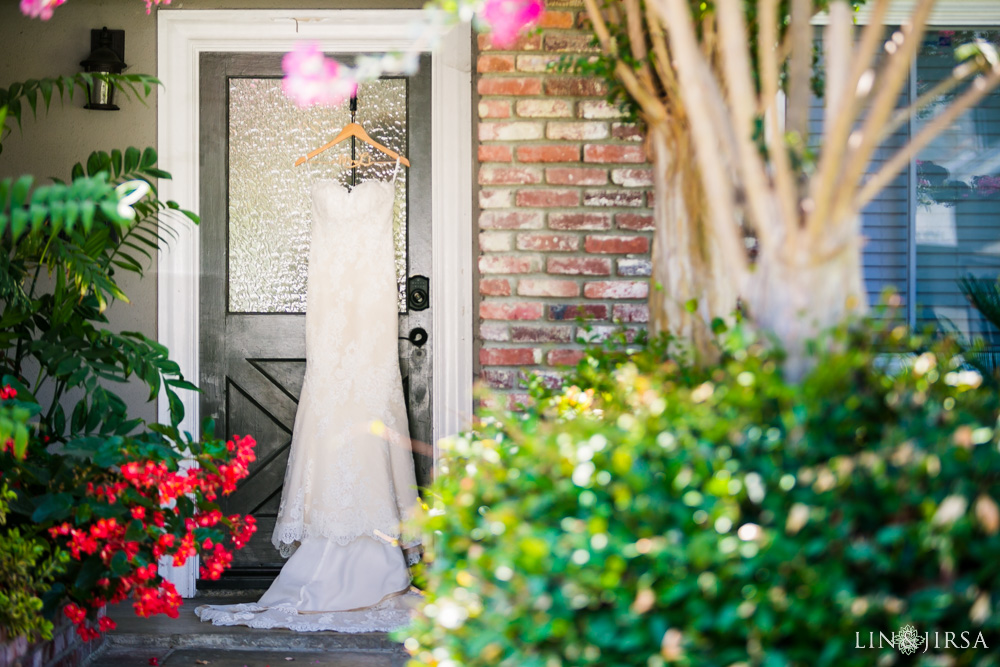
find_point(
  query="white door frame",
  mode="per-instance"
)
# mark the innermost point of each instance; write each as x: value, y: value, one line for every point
x: 182, y: 35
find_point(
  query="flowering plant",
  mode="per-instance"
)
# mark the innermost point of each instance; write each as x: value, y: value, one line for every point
x: 103, y: 496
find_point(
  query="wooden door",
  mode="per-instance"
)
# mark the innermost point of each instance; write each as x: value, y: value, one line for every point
x: 254, y: 248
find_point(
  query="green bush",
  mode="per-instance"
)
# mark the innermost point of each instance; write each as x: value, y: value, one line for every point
x: 657, y: 513
x: 27, y: 569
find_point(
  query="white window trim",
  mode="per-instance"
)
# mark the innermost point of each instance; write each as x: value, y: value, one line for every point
x: 947, y: 13
x: 182, y: 35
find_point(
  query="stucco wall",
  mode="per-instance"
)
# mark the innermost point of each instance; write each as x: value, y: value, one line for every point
x: 49, y: 146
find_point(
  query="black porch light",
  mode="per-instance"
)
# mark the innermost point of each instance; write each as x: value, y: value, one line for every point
x: 107, y: 56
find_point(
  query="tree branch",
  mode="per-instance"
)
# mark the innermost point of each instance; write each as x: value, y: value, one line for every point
x: 977, y: 91
x: 743, y: 102
x: 769, y: 64
x: 698, y: 85
x: 895, y: 70
x: 841, y: 118
x: 800, y: 69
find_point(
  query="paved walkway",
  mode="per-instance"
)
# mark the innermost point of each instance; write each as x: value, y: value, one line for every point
x: 189, y: 642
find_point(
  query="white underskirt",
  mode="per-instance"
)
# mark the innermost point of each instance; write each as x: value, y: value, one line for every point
x: 363, y: 586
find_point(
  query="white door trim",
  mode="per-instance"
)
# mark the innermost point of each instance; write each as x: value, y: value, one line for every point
x: 182, y: 35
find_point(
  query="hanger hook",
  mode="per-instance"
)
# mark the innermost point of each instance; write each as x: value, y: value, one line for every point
x: 354, y: 106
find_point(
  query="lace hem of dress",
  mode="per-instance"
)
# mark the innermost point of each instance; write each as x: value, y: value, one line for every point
x: 389, y: 614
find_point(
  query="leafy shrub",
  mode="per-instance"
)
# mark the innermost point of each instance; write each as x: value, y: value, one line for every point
x: 658, y: 513
x: 26, y: 569
x: 116, y: 493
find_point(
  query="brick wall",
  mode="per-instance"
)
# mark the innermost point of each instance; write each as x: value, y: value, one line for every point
x: 564, y: 207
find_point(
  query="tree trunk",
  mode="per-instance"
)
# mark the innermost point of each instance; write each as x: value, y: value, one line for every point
x: 690, y: 285
x: 796, y: 295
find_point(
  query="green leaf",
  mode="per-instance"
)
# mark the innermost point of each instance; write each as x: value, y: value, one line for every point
x: 52, y: 507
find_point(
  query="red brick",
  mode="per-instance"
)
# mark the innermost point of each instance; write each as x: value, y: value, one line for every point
x: 617, y: 289
x: 557, y: 153
x: 548, y: 198
x: 634, y: 221
x: 509, y: 356
x: 635, y: 266
x: 569, y: 42
x: 613, y: 153
x: 494, y: 109
x: 621, y: 245
x: 495, y: 198
x: 551, y: 379
x: 548, y: 242
x: 527, y: 42
x: 495, y: 63
x: 510, y: 220
x: 495, y: 153
x: 495, y: 242
x: 564, y: 357
x: 579, y: 221
x: 506, y: 310
x: 509, y: 86
x: 544, y: 108
x: 579, y: 266
x: 494, y: 287
x: 542, y: 334
x: 536, y: 63
x: 587, y: 311
x: 632, y: 178
x: 574, y: 86
x: 575, y: 176
x: 494, y: 331
x: 509, y: 175
x: 509, y: 131
x: 517, y: 402
x: 577, y: 131
x: 598, y: 109
x: 627, y: 132
x: 508, y: 264
x: 563, y: 288
x: 615, y: 198
x: 499, y: 378
x: 552, y: 19
x: 650, y: 199
x: 631, y: 312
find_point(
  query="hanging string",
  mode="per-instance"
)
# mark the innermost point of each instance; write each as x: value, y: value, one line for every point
x: 354, y: 156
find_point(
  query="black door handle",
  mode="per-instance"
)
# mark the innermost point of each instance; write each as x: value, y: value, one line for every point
x: 417, y: 336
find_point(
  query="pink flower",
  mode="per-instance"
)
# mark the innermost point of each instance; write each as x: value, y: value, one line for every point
x: 150, y: 3
x: 312, y: 78
x: 509, y: 18
x: 39, y: 8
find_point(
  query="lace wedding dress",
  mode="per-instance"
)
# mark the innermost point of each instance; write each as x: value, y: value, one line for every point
x: 350, y: 479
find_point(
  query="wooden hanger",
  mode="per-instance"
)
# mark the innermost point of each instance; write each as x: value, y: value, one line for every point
x: 352, y: 129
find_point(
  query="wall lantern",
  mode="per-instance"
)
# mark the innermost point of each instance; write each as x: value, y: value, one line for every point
x: 107, y: 56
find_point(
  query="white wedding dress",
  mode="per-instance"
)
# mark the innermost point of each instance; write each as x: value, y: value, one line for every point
x: 350, y: 480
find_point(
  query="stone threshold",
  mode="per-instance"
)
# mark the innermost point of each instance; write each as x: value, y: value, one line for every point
x: 136, y: 639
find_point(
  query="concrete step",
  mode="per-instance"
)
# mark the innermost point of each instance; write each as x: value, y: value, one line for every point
x: 190, y: 657
x: 160, y: 633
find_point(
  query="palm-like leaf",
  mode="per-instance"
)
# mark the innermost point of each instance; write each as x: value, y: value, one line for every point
x: 14, y: 97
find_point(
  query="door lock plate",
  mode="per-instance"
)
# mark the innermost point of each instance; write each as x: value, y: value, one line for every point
x: 418, y: 293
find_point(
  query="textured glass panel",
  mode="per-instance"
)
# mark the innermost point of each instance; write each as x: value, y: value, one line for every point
x: 269, y: 208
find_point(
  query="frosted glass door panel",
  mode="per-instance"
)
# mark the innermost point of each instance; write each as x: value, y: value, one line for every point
x: 269, y: 207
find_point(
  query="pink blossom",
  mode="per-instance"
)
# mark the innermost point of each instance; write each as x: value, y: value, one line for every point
x: 150, y: 3
x: 312, y: 78
x: 39, y: 8
x: 509, y: 18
